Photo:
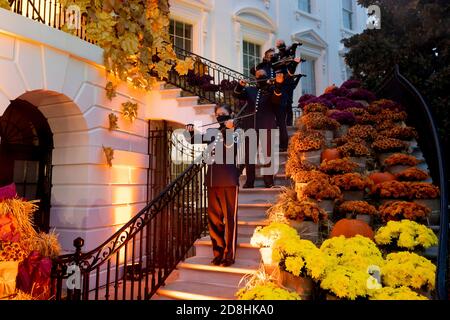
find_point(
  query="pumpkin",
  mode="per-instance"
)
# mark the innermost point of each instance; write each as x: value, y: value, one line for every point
x: 350, y: 228
x: 330, y: 89
x: 330, y: 154
x: 379, y: 177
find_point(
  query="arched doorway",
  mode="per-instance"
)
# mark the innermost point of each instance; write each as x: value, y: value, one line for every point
x: 26, y: 144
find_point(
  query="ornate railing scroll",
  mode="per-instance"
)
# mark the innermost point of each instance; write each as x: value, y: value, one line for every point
x: 134, y: 262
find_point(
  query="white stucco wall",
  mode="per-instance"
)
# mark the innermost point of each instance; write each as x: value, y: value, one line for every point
x: 63, y: 77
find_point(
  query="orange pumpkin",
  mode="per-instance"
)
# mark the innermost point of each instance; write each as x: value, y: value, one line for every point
x: 330, y: 88
x: 379, y: 177
x: 330, y: 154
x: 350, y: 228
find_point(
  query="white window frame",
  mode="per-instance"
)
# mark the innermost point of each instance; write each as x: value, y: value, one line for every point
x: 258, y: 57
x: 309, y: 11
x: 314, y: 69
x: 350, y: 11
x: 184, y: 32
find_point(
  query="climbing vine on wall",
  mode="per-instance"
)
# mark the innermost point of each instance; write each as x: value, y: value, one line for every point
x: 135, y: 38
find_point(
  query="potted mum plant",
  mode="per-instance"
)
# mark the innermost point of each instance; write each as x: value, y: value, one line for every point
x: 412, y: 174
x: 266, y: 291
x: 338, y: 166
x: 307, y: 145
x: 357, y: 152
x: 319, y: 121
x: 405, y: 235
x: 360, y: 210
x: 349, y: 260
x: 301, y: 263
x: 303, y: 216
x: 385, y: 147
x: 409, y: 270
x: 352, y: 185
x: 321, y: 192
x: 400, y: 293
x: 426, y: 194
x: 398, y: 210
x: 265, y: 237
x: 399, y: 162
x: 345, y: 118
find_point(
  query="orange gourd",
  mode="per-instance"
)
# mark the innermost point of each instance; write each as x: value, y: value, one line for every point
x: 380, y: 177
x: 330, y: 154
x: 350, y: 228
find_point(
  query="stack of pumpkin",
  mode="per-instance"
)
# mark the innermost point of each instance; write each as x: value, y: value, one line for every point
x: 362, y: 205
x: 25, y: 255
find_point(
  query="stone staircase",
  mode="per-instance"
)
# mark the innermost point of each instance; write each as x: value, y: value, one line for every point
x: 184, y: 106
x: 197, y: 279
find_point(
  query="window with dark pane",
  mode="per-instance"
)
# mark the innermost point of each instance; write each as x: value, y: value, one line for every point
x: 181, y: 34
x: 308, y: 82
x: 347, y: 14
x: 251, y: 56
x: 304, y: 5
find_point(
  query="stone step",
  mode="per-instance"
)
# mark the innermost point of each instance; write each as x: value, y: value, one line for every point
x: 187, y: 101
x: 279, y: 180
x: 281, y: 168
x: 255, y: 211
x: 191, y: 290
x: 203, y: 248
x: 170, y: 93
x: 247, y: 227
x: 258, y: 195
x: 205, y: 109
x: 200, y: 269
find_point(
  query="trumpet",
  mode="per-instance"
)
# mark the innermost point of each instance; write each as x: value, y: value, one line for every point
x: 272, y: 80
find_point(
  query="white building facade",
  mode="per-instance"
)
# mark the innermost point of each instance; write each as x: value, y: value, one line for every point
x: 235, y: 33
x: 63, y: 78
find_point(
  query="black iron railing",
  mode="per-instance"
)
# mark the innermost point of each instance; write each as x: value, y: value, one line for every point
x: 134, y: 262
x: 212, y: 82
x: 398, y: 88
x: 52, y: 13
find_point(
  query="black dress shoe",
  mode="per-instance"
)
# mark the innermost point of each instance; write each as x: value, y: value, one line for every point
x: 269, y: 185
x: 227, y: 262
x: 248, y: 186
x: 216, y: 261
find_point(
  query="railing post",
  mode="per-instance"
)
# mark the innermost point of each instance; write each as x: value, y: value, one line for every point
x: 78, y: 243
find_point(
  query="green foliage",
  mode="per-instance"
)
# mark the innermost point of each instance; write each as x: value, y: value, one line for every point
x: 415, y: 34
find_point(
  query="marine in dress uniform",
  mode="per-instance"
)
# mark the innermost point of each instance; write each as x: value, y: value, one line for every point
x: 283, y: 114
x: 289, y: 85
x: 222, y: 181
x: 263, y: 102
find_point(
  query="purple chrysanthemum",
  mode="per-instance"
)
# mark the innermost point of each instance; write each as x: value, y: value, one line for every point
x: 351, y: 83
x: 343, y: 117
x: 342, y: 103
x: 362, y: 94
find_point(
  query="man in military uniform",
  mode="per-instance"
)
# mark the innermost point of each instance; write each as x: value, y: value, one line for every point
x: 222, y: 181
x: 262, y: 101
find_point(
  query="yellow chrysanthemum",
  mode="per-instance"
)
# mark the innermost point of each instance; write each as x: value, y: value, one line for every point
x: 408, y: 269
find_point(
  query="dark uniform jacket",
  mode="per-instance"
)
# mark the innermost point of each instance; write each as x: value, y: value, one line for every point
x: 269, y: 102
x: 289, y: 83
x: 223, y: 173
